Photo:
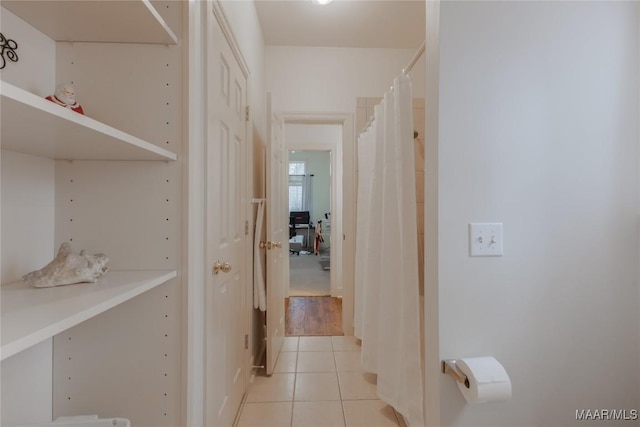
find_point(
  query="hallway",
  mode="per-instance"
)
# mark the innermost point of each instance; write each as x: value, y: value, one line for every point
x: 317, y: 381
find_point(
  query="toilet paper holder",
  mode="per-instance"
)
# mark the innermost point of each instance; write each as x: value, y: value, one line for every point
x: 449, y: 367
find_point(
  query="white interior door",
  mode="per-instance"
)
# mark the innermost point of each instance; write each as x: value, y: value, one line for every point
x: 225, y: 223
x: 277, y: 235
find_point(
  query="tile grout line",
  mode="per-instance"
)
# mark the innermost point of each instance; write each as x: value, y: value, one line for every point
x: 295, y: 381
x: 344, y: 417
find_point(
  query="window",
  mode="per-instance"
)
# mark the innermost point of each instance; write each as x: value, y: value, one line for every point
x: 296, y: 185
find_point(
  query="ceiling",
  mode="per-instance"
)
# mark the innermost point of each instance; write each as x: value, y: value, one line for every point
x: 343, y: 23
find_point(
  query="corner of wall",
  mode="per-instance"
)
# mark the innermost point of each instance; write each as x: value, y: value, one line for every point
x: 431, y: 200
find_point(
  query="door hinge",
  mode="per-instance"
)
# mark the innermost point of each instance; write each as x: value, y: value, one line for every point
x: 246, y: 342
x: 246, y: 228
x: 246, y: 113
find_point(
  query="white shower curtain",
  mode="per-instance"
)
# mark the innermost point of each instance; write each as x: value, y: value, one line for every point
x: 371, y: 257
x: 390, y: 306
x: 366, y: 159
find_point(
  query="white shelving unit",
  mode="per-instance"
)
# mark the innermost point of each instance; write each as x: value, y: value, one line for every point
x: 31, y: 315
x: 34, y: 125
x: 115, y: 187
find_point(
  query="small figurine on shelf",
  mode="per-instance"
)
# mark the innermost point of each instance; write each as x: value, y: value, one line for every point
x: 68, y: 268
x: 66, y: 96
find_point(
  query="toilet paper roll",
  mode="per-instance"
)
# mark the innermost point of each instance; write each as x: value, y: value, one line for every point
x: 488, y: 380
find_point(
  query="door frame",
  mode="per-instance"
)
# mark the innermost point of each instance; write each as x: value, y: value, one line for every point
x: 195, y: 265
x: 343, y: 233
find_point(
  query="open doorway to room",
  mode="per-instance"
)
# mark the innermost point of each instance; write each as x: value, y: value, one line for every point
x: 309, y: 223
x: 313, y: 305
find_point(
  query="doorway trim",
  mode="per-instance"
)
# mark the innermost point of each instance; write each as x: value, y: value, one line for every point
x: 342, y: 203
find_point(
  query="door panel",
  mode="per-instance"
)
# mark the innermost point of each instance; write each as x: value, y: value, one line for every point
x: 277, y: 233
x: 225, y: 198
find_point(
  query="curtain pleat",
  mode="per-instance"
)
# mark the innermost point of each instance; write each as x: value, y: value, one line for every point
x: 373, y: 257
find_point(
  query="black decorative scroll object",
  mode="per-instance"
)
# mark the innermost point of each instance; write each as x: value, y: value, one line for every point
x: 8, y: 47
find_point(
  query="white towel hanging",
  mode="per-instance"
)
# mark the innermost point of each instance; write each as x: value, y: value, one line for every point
x: 259, y: 293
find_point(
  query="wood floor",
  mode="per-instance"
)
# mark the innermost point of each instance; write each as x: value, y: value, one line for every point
x: 313, y: 316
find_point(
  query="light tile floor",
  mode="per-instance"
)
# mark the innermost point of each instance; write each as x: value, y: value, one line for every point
x: 317, y: 382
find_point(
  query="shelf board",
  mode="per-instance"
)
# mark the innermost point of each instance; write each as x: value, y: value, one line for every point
x: 132, y: 21
x: 33, y: 125
x: 31, y: 315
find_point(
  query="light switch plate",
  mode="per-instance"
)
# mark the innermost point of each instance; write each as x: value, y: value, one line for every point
x: 485, y: 239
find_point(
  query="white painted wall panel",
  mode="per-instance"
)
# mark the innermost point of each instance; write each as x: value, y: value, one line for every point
x: 330, y: 79
x: 298, y: 135
x: 538, y: 129
x: 133, y: 87
x: 35, y: 69
x: 127, y: 210
x: 27, y: 244
x: 125, y: 362
x: 27, y: 225
x: 26, y: 386
x: 28, y: 197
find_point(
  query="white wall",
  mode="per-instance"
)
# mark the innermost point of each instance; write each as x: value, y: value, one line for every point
x: 303, y: 136
x: 28, y: 204
x: 28, y: 195
x: 34, y: 70
x: 328, y: 79
x: 538, y: 129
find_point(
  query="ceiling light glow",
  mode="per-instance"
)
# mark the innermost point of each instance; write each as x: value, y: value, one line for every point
x: 322, y: 2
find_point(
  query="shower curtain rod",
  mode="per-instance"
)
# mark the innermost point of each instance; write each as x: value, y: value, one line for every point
x: 414, y: 59
x: 405, y: 70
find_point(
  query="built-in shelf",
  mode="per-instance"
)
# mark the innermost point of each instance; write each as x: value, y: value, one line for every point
x: 33, y: 125
x: 131, y: 21
x: 31, y: 315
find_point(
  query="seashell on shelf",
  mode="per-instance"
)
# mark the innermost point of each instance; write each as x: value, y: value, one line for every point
x: 68, y: 268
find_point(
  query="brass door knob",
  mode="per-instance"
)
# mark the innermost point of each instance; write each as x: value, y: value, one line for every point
x: 277, y: 244
x: 225, y: 267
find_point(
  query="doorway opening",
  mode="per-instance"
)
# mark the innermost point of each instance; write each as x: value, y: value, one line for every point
x: 313, y: 304
x: 309, y: 193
